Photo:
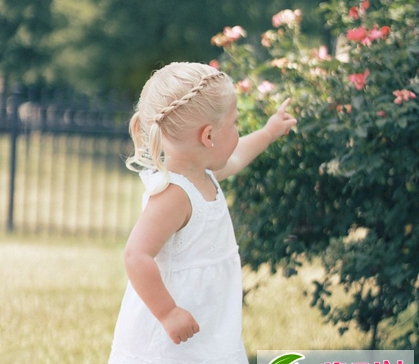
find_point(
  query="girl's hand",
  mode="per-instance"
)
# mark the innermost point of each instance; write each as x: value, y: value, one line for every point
x: 280, y: 123
x: 179, y: 325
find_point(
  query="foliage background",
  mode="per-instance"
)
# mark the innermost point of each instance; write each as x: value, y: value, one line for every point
x: 92, y: 46
x: 352, y: 164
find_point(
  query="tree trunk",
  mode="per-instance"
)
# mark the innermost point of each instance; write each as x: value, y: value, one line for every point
x: 373, y: 343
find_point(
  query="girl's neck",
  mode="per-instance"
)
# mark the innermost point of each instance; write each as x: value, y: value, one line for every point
x: 188, y: 170
x: 186, y: 159
x: 190, y: 159
x: 197, y: 175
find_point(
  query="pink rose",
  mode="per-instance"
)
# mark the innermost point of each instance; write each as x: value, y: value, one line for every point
x: 353, y: 12
x: 378, y: 33
x: 359, y: 79
x: 286, y: 17
x: 375, y: 33
x: 323, y: 53
x: 235, y: 33
x: 214, y: 63
x: 228, y: 36
x: 219, y: 40
x: 364, y: 5
x: 385, y: 31
x: 403, y: 95
x: 245, y: 85
x: 357, y: 34
x: 267, y: 39
x: 266, y: 87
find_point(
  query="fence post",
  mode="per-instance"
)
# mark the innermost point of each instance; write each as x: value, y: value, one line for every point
x: 13, y: 116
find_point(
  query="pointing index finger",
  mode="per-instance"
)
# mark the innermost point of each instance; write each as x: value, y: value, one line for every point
x: 284, y: 105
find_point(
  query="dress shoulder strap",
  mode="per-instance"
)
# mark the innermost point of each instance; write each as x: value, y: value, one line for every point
x: 186, y: 185
x: 151, y: 179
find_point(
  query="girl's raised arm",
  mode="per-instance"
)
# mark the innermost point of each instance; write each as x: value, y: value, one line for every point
x: 253, y: 144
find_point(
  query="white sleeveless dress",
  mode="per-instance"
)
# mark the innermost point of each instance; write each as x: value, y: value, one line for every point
x: 200, y: 267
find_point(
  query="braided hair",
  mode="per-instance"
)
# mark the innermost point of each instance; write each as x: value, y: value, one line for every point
x: 174, y: 100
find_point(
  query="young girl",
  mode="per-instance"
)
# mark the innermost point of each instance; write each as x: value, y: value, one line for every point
x: 183, y: 301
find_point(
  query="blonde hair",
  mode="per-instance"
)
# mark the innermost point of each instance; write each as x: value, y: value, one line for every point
x: 177, y: 98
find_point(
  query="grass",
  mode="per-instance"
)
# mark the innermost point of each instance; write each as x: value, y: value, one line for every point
x: 278, y: 316
x: 59, y: 302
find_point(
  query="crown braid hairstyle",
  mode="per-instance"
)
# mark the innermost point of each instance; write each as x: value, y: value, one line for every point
x: 174, y: 100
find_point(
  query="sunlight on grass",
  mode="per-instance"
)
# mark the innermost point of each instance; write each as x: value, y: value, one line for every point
x: 278, y: 315
x: 59, y: 303
x: 60, y: 299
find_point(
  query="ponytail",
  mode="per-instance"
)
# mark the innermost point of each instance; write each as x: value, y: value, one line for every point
x: 156, y: 150
x: 148, y: 150
x: 135, y: 131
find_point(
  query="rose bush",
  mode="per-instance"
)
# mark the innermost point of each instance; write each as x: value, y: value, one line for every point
x: 352, y: 164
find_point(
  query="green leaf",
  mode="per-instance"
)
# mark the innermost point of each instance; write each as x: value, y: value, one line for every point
x: 361, y: 132
x: 357, y: 102
x: 381, y: 122
x: 402, y: 122
x: 331, y: 65
x: 287, y: 359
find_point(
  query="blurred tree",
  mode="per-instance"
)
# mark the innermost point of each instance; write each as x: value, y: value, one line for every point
x: 96, y: 46
x: 122, y: 41
x: 25, y: 27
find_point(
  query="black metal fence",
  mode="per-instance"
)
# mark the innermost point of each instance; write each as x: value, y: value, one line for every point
x: 62, y: 166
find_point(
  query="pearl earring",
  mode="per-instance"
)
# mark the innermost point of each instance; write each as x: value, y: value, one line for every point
x: 212, y: 144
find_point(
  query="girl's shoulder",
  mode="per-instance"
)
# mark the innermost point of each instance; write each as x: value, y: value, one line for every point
x: 169, y: 207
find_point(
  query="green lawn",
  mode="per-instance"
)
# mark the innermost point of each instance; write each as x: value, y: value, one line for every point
x: 59, y: 300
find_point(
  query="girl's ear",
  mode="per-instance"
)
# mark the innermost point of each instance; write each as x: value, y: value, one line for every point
x: 206, y: 136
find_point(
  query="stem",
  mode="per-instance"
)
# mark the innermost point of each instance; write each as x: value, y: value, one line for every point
x: 373, y: 343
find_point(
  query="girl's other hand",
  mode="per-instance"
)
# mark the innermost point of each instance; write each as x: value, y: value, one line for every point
x: 179, y: 325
